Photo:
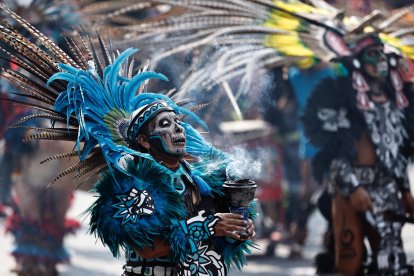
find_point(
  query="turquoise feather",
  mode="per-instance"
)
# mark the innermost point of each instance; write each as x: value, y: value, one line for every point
x: 91, y: 98
x: 154, y: 178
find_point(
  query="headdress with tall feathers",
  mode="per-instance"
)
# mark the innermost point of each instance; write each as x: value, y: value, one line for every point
x: 94, y: 94
x: 251, y: 34
x: 103, y: 103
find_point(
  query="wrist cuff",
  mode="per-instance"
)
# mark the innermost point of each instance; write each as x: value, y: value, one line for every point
x: 199, y: 228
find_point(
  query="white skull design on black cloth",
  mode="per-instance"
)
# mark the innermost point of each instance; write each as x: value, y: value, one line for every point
x: 133, y: 204
x: 385, y: 124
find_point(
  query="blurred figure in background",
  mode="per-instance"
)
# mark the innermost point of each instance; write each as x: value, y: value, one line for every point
x: 303, y: 82
x: 38, y: 222
x: 12, y: 147
x: 37, y: 219
x: 362, y: 123
x: 289, y: 93
x: 281, y: 112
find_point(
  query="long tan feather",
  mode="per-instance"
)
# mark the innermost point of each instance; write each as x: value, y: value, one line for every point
x: 82, y: 164
x: 51, y: 136
x: 36, y: 116
x: 66, y: 155
x: 41, y: 37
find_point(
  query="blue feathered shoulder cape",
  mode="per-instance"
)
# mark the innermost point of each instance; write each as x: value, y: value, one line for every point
x: 109, y: 216
x: 115, y: 221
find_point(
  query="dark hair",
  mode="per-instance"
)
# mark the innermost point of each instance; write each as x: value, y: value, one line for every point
x: 145, y: 130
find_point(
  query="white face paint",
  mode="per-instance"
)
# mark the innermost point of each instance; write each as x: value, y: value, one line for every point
x: 166, y: 133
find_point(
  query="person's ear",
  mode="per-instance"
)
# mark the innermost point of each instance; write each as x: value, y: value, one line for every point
x: 143, y: 141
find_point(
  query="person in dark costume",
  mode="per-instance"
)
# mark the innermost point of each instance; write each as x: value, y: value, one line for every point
x: 363, y: 125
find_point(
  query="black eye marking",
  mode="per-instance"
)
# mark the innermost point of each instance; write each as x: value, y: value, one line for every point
x: 165, y: 123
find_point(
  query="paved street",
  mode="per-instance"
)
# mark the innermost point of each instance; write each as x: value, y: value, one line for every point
x: 90, y: 258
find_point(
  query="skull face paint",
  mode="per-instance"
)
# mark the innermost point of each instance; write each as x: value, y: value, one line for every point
x: 166, y: 134
x: 375, y: 62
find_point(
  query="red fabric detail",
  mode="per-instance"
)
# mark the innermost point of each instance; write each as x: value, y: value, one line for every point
x: 24, y: 259
x: 363, y: 101
x: 12, y: 64
x: 15, y: 221
x: 361, y: 86
x: 401, y: 99
x: 3, y: 212
x: 336, y: 43
x: 71, y: 225
x: 364, y: 43
x: 9, y: 112
x: 406, y: 70
x: 396, y: 80
x: 358, y: 81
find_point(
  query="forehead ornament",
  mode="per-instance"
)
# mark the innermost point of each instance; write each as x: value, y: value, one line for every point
x: 143, y: 115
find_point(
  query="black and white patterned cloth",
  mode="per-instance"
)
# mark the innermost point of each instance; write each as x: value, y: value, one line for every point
x: 383, y: 190
x: 387, y: 132
x: 334, y: 123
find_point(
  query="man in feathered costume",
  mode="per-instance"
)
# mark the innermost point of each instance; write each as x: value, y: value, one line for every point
x: 165, y: 211
x: 161, y: 192
x: 363, y: 125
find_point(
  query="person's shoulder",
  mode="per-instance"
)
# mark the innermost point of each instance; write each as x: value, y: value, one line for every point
x: 333, y: 83
x: 332, y: 92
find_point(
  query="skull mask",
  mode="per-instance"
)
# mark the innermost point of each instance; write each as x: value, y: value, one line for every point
x: 166, y: 134
x: 375, y: 63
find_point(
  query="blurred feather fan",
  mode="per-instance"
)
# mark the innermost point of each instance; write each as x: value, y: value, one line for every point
x: 250, y: 34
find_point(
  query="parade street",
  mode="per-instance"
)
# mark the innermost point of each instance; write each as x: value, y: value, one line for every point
x: 90, y: 258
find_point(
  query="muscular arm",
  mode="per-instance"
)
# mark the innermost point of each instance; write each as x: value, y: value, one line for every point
x: 226, y: 226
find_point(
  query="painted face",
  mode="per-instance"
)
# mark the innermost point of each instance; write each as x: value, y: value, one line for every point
x: 166, y: 134
x: 374, y: 62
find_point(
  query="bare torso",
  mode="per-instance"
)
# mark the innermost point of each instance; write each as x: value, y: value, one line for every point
x: 365, y: 151
x: 366, y: 155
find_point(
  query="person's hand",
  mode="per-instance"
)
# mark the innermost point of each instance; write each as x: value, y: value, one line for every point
x: 229, y: 224
x: 408, y: 201
x: 251, y: 234
x: 360, y: 200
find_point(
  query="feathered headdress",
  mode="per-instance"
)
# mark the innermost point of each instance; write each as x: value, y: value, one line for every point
x: 250, y: 34
x: 95, y: 95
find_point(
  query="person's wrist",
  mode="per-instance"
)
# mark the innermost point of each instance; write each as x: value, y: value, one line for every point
x: 200, y: 227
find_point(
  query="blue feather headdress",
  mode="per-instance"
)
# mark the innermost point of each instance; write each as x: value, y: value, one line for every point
x: 105, y: 109
x: 92, y: 92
